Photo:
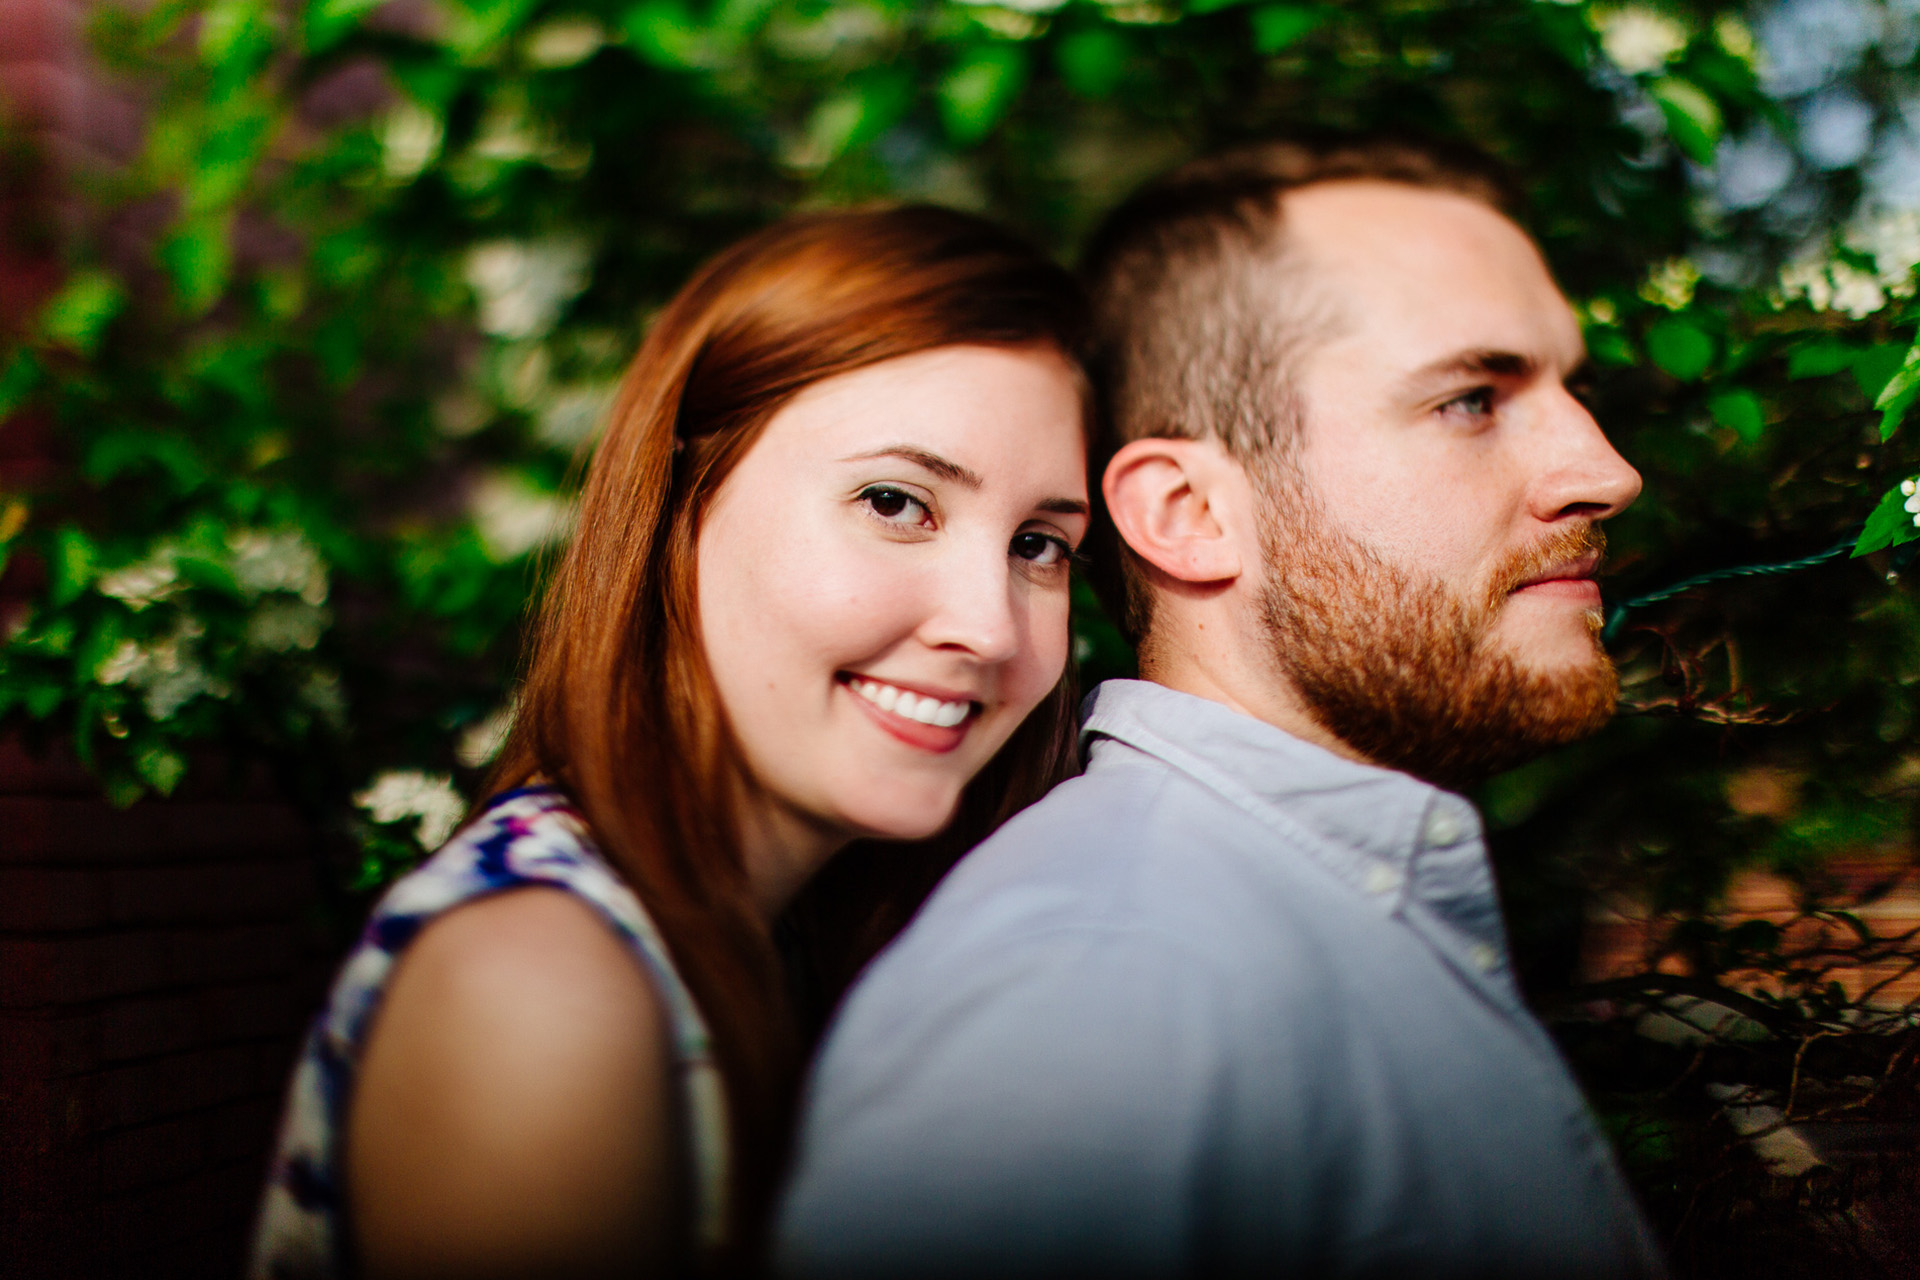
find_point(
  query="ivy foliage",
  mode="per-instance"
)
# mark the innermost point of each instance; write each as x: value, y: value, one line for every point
x: 328, y: 345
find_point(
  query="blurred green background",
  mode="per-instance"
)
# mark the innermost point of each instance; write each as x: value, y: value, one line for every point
x: 327, y: 347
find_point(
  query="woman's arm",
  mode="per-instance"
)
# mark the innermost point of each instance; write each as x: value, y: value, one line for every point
x: 516, y: 1113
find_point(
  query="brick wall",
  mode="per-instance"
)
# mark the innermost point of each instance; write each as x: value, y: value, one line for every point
x: 157, y: 965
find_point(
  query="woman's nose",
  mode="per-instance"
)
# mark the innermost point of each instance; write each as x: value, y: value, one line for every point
x: 972, y: 605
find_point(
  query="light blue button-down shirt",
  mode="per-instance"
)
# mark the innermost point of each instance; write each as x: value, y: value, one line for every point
x: 1227, y: 1003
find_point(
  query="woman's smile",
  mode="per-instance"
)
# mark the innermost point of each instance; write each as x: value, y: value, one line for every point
x: 931, y: 720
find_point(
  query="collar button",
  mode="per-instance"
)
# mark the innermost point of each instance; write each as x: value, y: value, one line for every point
x: 1443, y: 827
x: 1382, y: 879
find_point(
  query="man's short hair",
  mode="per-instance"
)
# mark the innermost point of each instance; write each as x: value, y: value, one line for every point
x: 1188, y: 343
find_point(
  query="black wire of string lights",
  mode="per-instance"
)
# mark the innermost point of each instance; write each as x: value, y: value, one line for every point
x: 1617, y: 616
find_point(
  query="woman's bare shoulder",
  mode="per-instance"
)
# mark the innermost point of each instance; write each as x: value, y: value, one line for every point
x: 515, y: 1108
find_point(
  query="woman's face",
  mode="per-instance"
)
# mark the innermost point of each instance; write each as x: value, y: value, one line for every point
x: 883, y: 583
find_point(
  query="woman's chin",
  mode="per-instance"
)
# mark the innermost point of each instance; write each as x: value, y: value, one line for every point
x: 905, y: 821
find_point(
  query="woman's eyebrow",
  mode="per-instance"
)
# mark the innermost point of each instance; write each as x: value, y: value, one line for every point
x: 947, y: 469
x: 926, y: 459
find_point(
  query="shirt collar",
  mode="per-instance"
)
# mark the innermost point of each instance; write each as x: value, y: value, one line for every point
x: 1366, y: 825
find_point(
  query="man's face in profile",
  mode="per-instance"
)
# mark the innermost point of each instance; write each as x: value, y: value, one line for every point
x: 1431, y: 540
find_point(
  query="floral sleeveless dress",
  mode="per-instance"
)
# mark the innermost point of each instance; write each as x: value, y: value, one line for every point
x: 532, y: 836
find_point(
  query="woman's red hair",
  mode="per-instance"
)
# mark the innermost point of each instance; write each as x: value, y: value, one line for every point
x: 618, y: 707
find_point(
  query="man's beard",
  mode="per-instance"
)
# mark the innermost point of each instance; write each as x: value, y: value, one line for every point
x: 1405, y: 671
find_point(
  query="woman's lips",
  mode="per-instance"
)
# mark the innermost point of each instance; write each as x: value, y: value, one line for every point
x: 904, y: 713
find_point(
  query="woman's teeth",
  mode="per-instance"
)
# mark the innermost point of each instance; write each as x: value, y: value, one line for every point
x: 941, y: 715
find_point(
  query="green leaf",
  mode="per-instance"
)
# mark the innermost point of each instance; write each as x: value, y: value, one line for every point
x: 224, y: 168
x: 94, y: 647
x: 234, y: 30
x: 1608, y: 346
x: 1276, y: 26
x: 854, y: 116
x: 1740, y: 412
x: 121, y: 790
x: 1898, y: 395
x: 157, y: 454
x: 475, y: 27
x: 1874, y: 367
x: 1730, y: 77
x: 1693, y: 117
x: 1890, y: 525
x: 329, y: 21
x: 198, y: 258
x: 1565, y: 31
x: 41, y: 699
x: 979, y: 89
x: 1213, y: 6
x: 205, y: 571
x: 72, y: 565
x: 664, y: 33
x: 1821, y: 360
x: 1681, y: 348
x: 18, y: 378
x: 79, y: 314
x: 161, y: 766
x: 1093, y: 63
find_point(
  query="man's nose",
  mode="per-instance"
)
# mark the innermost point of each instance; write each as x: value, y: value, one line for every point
x: 1581, y: 473
x: 972, y: 604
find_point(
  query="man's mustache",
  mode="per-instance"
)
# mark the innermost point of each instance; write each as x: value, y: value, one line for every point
x: 1557, y: 550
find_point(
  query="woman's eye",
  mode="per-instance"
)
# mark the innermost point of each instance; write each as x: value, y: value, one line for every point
x: 1040, y: 549
x: 895, y: 506
x: 1477, y: 403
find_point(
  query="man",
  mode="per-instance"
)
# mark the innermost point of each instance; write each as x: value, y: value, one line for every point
x: 1237, y: 1000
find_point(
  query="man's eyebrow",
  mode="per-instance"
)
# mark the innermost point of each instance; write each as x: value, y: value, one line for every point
x: 1473, y: 364
x: 924, y: 458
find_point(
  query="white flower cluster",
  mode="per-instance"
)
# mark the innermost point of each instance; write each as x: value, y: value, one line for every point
x: 1908, y: 487
x: 1833, y: 285
x: 400, y: 794
x: 522, y: 285
x: 564, y: 42
x: 321, y: 690
x: 1671, y: 284
x: 409, y: 140
x: 283, y: 561
x: 1637, y: 39
x: 1889, y: 237
x: 513, y: 516
x: 481, y: 741
x: 144, y: 582
x: 281, y: 566
x: 284, y: 626
x: 166, y: 671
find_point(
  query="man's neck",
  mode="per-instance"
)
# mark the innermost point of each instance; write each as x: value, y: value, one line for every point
x: 1263, y: 694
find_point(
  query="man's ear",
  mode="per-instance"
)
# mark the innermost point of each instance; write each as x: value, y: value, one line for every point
x: 1177, y: 504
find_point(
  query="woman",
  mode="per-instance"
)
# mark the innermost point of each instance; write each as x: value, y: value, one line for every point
x: 818, y: 595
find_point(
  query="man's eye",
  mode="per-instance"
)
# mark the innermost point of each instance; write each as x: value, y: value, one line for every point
x: 1040, y: 549
x: 1477, y: 403
x: 895, y: 506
